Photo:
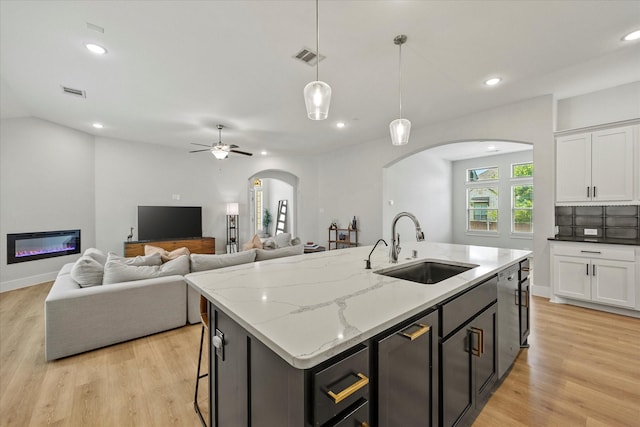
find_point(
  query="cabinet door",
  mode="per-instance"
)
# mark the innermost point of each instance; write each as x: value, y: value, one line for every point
x: 571, y: 277
x: 523, y: 306
x: 573, y: 168
x: 408, y: 375
x: 457, y: 392
x: 613, y: 282
x: 612, y: 164
x: 485, y: 366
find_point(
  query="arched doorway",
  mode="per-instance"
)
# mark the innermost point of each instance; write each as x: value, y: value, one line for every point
x: 267, y: 189
x: 433, y: 185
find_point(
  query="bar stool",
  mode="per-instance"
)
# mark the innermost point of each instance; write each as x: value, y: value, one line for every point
x: 204, y: 318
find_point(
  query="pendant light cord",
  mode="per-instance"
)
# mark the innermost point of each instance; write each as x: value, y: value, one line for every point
x: 317, y: 44
x: 400, y: 79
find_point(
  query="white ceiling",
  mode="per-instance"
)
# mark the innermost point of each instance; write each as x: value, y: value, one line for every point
x: 177, y: 68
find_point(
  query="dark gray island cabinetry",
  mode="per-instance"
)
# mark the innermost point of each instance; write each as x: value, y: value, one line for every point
x: 316, y: 340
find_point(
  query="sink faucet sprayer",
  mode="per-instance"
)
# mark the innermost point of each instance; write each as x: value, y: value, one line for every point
x: 395, y: 239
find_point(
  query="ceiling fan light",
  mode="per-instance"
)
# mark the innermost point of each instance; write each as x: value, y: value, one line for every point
x: 219, y: 153
x: 317, y: 97
x: 400, y: 129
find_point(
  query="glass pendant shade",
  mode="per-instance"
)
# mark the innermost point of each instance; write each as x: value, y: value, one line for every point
x: 400, y: 129
x: 317, y: 97
x: 219, y: 153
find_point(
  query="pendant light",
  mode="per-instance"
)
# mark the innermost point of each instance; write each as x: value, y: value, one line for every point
x: 317, y: 94
x: 400, y: 128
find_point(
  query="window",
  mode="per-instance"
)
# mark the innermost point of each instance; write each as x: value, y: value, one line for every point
x: 482, y: 209
x: 522, y: 170
x: 257, y: 187
x: 482, y: 174
x: 522, y: 198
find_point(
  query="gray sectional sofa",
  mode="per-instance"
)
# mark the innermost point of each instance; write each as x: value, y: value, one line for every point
x: 80, y: 318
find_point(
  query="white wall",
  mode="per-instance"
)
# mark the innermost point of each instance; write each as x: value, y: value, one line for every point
x: 46, y: 183
x: 420, y: 184
x: 504, y: 238
x: 352, y: 177
x: 601, y: 107
x: 129, y: 174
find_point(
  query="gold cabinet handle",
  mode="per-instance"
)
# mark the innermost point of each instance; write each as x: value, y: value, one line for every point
x: 364, y: 424
x: 339, y: 397
x: 480, y: 350
x: 423, y: 330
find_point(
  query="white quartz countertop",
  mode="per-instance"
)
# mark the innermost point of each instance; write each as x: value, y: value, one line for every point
x: 308, y: 308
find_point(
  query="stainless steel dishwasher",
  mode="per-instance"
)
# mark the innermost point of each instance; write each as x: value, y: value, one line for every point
x: 508, y: 318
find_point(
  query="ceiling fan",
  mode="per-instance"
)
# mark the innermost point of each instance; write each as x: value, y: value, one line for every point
x: 220, y: 150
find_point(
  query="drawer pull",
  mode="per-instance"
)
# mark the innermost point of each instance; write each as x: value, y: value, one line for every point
x: 339, y: 397
x: 480, y: 350
x: 525, y: 269
x: 591, y: 252
x: 423, y: 330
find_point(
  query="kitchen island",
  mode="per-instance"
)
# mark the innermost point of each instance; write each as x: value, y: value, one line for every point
x: 283, y: 324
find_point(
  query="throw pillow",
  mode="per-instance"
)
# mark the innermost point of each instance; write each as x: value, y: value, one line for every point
x: 283, y: 239
x: 96, y: 254
x: 87, y: 272
x: 262, y: 254
x: 255, y: 242
x: 269, y: 243
x: 140, y: 260
x: 116, y: 271
x: 200, y: 262
x: 165, y: 254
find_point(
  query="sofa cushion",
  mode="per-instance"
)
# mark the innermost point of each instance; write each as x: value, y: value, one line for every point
x: 140, y: 260
x: 265, y: 254
x: 116, y: 271
x: 283, y: 239
x: 200, y: 262
x: 96, y: 254
x: 165, y: 254
x: 87, y: 272
x: 255, y: 242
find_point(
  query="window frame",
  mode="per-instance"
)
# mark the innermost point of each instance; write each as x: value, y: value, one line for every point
x: 521, y: 181
x: 490, y: 185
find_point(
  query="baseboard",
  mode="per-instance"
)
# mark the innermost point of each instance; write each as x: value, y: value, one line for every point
x: 598, y: 307
x: 25, y: 282
x: 541, y: 291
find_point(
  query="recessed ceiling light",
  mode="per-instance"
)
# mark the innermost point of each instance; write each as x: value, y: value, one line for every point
x: 340, y: 125
x: 97, y: 49
x: 634, y: 35
x: 491, y: 148
x: 263, y: 152
x: 97, y: 125
x: 493, y: 81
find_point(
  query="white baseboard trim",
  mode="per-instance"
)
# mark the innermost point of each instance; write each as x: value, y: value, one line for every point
x: 599, y: 307
x: 25, y: 282
x: 541, y: 291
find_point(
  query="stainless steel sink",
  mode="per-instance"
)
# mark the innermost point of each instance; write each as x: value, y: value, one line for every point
x: 426, y: 272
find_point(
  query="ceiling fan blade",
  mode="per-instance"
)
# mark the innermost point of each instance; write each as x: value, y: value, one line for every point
x: 202, y: 145
x: 198, y: 151
x: 241, y: 152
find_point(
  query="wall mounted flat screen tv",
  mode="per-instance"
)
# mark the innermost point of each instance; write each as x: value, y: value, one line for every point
x: 169, y: 222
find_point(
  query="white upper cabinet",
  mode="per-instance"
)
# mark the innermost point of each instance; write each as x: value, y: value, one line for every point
x: 596, y: 167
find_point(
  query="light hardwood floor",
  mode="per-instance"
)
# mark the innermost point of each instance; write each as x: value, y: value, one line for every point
x: 583, y: 369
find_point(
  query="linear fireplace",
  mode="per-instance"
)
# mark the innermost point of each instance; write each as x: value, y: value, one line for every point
x: 23, y: 247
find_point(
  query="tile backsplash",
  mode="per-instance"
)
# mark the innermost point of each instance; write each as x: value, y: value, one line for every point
x: 614, y: 222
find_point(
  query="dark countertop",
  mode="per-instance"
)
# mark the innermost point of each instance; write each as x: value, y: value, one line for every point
x: 630, y: 242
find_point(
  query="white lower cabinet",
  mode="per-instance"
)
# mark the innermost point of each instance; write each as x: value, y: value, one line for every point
x: 596, y: 273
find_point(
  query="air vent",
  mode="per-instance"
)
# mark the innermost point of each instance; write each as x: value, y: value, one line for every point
x: 308, y: 56
x: 75, y: 92
x: 95, y: 27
